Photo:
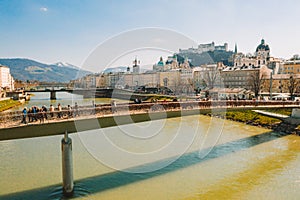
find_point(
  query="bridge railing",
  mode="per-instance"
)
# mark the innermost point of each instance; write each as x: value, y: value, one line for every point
x: 8, y: 119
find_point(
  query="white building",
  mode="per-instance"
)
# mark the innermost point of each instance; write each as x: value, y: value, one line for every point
x: 261, y: 57
x: 262, y: 53
x: 136, y: 67
x: 6, y: 80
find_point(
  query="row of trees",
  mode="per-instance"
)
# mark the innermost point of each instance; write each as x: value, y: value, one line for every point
x: 256, y: 82
x: 293, y: 86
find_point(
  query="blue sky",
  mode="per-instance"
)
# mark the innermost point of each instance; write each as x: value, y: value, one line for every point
x: 68, y: 30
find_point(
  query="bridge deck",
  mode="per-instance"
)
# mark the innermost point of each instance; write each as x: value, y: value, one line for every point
x: 34, y: 91
x: 84, y: 124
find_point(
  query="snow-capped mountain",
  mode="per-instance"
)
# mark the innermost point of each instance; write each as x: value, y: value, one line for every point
x: 65, y: 64
x: 26, y: 69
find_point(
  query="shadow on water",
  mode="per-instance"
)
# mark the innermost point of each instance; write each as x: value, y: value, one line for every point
x: 112, y: 180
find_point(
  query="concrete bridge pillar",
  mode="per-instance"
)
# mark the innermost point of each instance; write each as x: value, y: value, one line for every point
x: 52, y: 95
x: 296, y: 113
x: 67, y: 165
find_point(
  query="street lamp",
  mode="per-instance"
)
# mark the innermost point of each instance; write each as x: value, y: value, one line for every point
x: 271, y: 85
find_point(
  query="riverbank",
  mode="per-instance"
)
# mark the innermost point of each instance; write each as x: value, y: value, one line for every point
x: 252, y: 118
x: 8, y: 104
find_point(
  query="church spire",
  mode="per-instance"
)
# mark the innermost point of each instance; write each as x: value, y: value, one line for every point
x: 235, y: 48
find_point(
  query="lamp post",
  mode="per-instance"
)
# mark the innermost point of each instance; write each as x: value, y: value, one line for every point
x: 271, y: 81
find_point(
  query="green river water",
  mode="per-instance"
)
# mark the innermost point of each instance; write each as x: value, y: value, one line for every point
x: 192, y: 157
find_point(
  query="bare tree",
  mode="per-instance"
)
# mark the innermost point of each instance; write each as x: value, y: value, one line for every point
x: 211, y: 76
x: 256, y: 79
x: 177, y: 86
x: 190, y: 86
x: 185, y: 86
x: 292, y: 86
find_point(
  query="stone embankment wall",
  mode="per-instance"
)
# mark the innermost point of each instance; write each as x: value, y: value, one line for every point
x: 285, y: 127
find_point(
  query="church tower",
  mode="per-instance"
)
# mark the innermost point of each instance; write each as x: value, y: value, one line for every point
x: 262, y: 53
x: 235, y: 49
x: 136, y: 67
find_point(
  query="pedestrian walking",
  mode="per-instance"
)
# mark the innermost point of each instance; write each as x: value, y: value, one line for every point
x: 93, y: 108
x: 51, y: 109
x: 59, y: 114
x: 24, y: 112
x: 76, y: 112
x: 34, y: 113
x: 69, y: 111
x: 44, y: 111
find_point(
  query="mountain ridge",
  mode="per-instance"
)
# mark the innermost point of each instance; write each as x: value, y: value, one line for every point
x: 26, y: 69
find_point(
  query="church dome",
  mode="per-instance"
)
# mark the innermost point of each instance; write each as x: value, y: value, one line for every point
x: 263, y: 46
x: 161, y: 62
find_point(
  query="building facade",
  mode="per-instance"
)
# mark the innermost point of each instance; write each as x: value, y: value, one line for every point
x: 260, y: 57
x: 136, y: 66
x: 6, y: 80
x: 240, y: 77
x: 280, y: 83
x: 208, y: 76
x: 181, y: 78
x: 290, y: 67
x: 262, y: 53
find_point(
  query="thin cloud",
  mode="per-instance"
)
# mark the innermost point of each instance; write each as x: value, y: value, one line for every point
x: 43, y: 9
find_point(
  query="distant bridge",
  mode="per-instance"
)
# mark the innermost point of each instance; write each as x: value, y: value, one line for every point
x: 52, y: 92
x: 101, y: 93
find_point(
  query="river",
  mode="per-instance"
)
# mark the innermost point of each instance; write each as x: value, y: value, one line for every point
x: 193, y: 157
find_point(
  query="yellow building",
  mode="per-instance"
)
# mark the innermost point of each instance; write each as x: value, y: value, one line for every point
x: 144, y: 79
x: 170, y: 79
x: 101, y: 80
x: 280, y: 83
x: 290, y: 67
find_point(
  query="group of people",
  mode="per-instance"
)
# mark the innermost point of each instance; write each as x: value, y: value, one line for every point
x: 36, y: 113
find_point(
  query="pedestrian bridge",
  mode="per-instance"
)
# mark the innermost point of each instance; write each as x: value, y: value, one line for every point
x: 103, y: 116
